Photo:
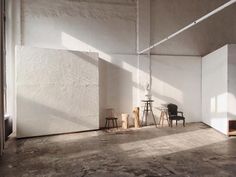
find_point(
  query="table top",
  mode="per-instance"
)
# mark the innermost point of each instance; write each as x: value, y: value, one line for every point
x: 147, y: 100
x: 161, y: 108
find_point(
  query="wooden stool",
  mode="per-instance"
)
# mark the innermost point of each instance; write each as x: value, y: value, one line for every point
x: 113, y: 120
x: 163, y: 116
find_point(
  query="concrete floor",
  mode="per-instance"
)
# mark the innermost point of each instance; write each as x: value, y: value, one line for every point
x: 195, y: 150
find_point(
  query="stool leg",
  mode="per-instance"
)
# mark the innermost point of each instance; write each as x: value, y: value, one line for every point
x: 142, y: 117
x: 106, y: 124
x: 159, y: 123
x: 113, y: 123
x: 116, y: 124
x: 146, y: 116
x: 153, y: 116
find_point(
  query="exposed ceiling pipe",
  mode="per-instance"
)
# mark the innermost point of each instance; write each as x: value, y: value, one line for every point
x: 189, y: 26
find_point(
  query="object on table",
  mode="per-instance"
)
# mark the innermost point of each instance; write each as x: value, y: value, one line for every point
x: 136, y: 117
x: 173, y: 114
x: 147, y: 109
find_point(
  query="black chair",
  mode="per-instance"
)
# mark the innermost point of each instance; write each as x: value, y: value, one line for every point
x: 173, y: 114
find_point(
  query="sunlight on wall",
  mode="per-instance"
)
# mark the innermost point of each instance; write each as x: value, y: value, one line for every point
x: 213, y: 104
x: 163, y: 88
x: 73, y: 43
x: 172, y: 143
x: 219, y: 103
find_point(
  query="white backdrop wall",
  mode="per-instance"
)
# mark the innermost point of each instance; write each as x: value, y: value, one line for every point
x: 232, y: 82
x: 177, y: 79
x: 215, y: 88
x: 57, y: 91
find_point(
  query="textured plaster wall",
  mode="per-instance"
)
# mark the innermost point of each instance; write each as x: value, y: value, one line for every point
x: 57, y: 91
x: 108, y: 26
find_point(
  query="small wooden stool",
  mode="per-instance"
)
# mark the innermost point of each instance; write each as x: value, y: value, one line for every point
x: 113, y: 120
x: 164, y: 116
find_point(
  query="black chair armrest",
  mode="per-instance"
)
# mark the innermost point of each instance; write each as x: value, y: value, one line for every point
x: 180, y: 112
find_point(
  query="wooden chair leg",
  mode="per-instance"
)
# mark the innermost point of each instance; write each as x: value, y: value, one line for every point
x: 116, y: 124
x: 159, y: 123
x: 106, y: 124
x: 113, y: 124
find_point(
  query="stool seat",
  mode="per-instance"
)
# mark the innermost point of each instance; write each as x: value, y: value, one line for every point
x: 111, y: 118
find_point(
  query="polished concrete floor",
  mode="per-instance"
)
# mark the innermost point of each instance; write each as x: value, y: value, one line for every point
x: 195, y: 150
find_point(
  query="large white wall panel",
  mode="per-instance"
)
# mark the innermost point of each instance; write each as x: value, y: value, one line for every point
x: 57, y: 91
x: 177, y: 79
x: 232, y: 82
x: 215, y: 89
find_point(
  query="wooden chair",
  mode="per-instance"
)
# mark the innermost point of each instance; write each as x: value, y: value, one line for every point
x: 173, y: 114
x: 111, y: 119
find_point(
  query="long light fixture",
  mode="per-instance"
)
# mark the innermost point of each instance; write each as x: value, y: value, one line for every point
x: 189, y: 26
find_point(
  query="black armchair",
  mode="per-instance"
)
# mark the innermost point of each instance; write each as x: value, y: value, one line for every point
x: 173, y: 114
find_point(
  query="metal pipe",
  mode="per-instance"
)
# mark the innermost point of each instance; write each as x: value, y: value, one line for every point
x: 189, y: 26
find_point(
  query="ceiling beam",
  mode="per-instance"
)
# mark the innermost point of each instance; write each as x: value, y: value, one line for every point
x: 189, y: 26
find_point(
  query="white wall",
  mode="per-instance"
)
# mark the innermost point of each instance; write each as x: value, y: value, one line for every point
x: 118, y: 85
x: 113, y: 29
x: 177, y: 79
x: 232, y: 82
x: 106, y: 25
x: 57, y: 91
x: 214, y: 89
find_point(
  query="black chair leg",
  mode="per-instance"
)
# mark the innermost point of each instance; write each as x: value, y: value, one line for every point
x: 176, y: 122
x: 184, y: 123
x: 171, y: 123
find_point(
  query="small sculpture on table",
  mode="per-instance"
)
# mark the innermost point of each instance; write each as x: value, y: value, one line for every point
x: 148, y: 93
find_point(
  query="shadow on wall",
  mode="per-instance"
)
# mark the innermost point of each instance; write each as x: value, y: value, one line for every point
x: 115, y: 90
x: 115, y: 82
x: 49, y: 119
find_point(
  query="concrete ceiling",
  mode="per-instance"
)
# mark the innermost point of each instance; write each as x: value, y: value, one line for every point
x: 168, y: 16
